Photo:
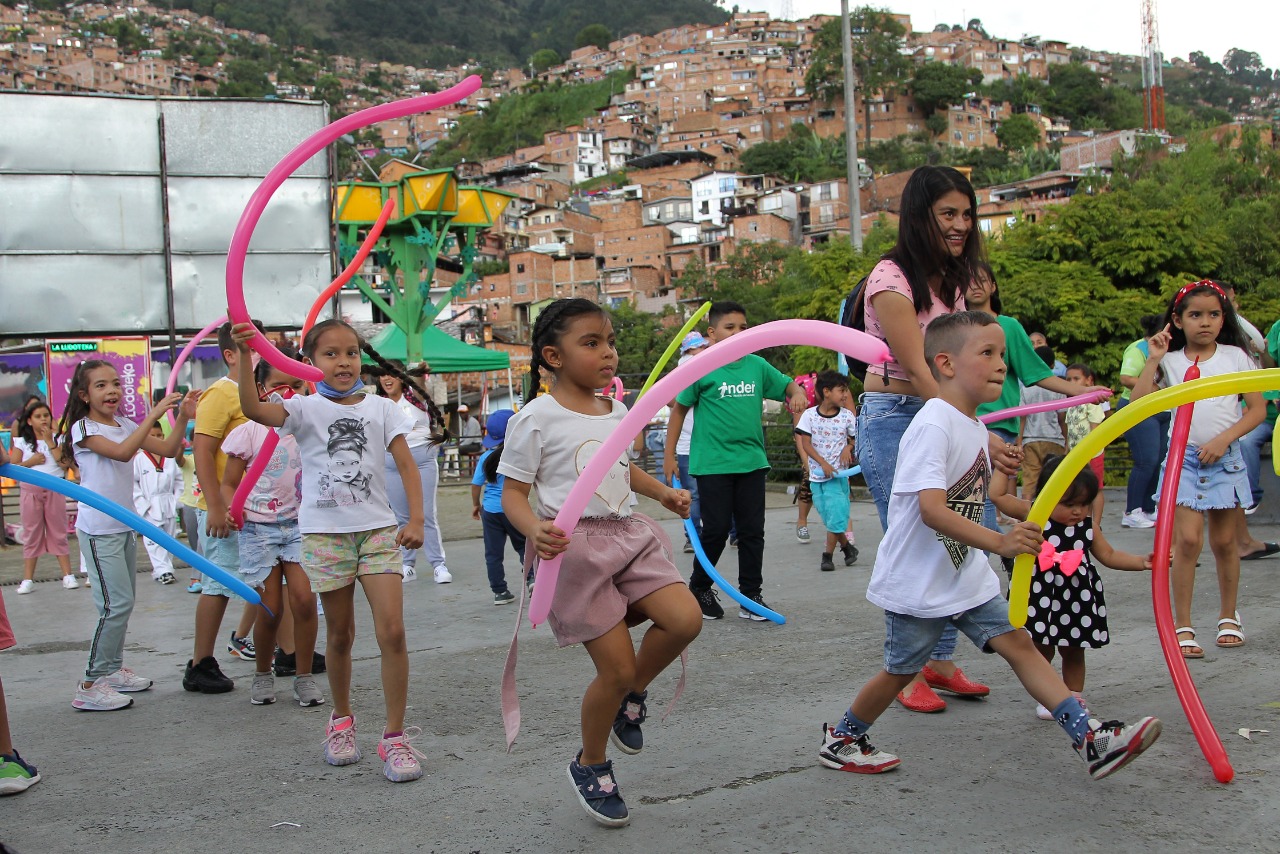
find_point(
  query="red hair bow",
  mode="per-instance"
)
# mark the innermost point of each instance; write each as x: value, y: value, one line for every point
x: 1067, y: 562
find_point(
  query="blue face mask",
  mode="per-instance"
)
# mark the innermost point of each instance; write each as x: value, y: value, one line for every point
x: 330, y: 392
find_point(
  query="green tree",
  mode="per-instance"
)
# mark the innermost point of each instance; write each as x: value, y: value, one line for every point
x: 641, y: 337
x: 1018, y: 132
x: 329, y: 89
x: 593, y: 34
x: 878, y: 62
x: 937, y: 86
x: 245, y: 79
x: 544, y: 59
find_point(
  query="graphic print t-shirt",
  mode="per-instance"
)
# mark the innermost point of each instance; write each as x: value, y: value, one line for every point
x: 277, y: 493
x: 918, y: 571
x: 549, y: 446
x: 344, y: 485
x: 829, y: 434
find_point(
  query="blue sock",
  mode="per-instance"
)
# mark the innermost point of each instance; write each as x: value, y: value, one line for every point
x: 852, y: 726
x: 1072, y: 717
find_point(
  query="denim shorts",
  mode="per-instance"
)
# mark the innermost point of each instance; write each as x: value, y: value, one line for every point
x: 908, y: 640
x: 263, y: 544
x: 1217, y: 486
x: 224, y: 552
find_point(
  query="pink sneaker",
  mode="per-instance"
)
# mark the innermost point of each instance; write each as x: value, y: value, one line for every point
x: 400, y: 759
x: 340, y: 741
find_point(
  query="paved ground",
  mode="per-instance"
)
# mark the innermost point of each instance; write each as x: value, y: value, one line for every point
x: 732, y: 769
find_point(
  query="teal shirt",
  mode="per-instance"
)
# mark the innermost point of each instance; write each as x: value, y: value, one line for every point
x: 728, y: 436
x: 1024, y: 366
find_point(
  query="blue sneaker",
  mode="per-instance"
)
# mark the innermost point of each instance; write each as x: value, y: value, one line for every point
x: 195, y: 587
x: 16, y: 775
x: 597, y: 791
x: 626, y: 734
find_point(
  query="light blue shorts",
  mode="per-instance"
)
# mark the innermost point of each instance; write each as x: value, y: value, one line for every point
x: 831, y: 497
x: 1217, y: 486
x: 223, y: 551
x: 264, y: 544
x: 908, y: 640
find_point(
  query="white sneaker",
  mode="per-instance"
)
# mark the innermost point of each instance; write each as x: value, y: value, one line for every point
x: 125, y: 680
x: 1136, y: 519
x: 845, y: 753
x: 26, y: 585
x: 88, y: 581
x: 99, y: 697
x: 408, y: 573
x: 70, y: 583
x: 443, y: 575
x: 1251, y: 509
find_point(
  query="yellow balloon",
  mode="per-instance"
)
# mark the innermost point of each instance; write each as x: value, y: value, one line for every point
x: 1108, y: 432
x: 671, y: 348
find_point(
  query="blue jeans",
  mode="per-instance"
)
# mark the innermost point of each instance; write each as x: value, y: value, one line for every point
x: 690, y: 483
x: 497, y: 530
x: 882, y: 420
x: 1148, y: 443
x: 1251, y: 447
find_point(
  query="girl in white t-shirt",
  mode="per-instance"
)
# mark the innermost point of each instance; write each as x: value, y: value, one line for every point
x: 617, y: 570
x: 1200, y: 328
x: 103, y: 445
x: 44, y: 512
x: 270, y: 544
x: 348, y: 529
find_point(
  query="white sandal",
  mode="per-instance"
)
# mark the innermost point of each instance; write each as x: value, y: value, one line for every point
x: 1230, y: 633
x: 1189, y: 643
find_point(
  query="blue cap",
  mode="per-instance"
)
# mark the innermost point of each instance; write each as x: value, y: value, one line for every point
x: 496, y: 428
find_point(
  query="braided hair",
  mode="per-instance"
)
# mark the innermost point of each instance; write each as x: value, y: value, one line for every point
x: 553, y: 321
x: 416, y: 394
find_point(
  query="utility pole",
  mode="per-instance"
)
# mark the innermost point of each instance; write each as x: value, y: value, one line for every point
x: 851, y: 130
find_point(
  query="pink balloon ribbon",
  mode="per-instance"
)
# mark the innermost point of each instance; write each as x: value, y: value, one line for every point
x: 815, y: 333
x: 182, y: 358
x: 345, y: 276
x: 1096, y: 395
x: 237, y: 309
x: 1210, y: 744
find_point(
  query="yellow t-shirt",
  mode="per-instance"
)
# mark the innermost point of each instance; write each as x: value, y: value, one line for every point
x: 217, y: 415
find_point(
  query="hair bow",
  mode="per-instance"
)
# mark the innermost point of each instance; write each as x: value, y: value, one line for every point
x: 1067, y: 562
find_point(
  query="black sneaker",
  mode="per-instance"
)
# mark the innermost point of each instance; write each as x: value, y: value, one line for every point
x: 827, y: 564
x: 752, y: 615
x: 708, y: 601
x: 850, y: 552
x: 318, y: 664
x: 506, y: 597
x: 626, y: 734
x: 597, y: 791
x: 206, y: 677
x: 688, y: 545
x: 241, y: 648
x: 285, y: 664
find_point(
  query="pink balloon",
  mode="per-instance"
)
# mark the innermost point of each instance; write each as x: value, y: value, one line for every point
x: 1096, y: 395
x: 815, y: 333
x: 182, y: 358
x: 236, y: 306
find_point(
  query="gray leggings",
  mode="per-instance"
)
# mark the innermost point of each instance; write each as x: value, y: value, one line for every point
x: 429, y: 473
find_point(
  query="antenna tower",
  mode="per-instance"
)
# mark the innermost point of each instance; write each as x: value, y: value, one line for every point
x: 1152, y: 69
x: 788, y: 11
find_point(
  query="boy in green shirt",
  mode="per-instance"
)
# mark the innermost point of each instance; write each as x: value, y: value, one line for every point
x: 727, y: 454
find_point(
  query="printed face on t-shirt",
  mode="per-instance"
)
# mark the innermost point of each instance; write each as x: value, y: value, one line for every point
x: 344, y: 466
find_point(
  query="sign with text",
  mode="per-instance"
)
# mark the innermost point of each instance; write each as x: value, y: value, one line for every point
x: 131, y: 357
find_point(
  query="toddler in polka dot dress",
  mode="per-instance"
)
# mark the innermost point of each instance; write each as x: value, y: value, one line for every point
x: 1067, y: 611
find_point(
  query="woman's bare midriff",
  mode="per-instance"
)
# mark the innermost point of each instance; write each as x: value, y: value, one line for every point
x: 876, y: 383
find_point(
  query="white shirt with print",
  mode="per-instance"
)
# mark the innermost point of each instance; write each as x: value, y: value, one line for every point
x: 829, y: 434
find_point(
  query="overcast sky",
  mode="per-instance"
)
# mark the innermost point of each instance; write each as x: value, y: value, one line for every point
x: 1112, y: 25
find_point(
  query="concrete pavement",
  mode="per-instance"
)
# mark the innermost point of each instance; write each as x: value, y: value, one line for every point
x: 733, y: 768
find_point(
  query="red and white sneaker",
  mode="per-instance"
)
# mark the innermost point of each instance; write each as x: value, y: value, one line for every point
x: 846, y: 753
x: 957, y: 683
x: 1112, y: 745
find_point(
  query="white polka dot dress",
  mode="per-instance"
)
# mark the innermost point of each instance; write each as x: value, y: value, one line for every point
x: 1068, y: 610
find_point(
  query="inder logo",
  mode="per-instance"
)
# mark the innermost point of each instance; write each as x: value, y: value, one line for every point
x: 742, y: 389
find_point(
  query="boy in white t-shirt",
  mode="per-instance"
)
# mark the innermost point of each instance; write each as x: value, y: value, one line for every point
x: 825, y: 433
x: 931, y: 568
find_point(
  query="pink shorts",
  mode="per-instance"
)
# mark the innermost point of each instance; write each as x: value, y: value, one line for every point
x: 7, y: 639
x: 610, y: 564
x: 44, y: 521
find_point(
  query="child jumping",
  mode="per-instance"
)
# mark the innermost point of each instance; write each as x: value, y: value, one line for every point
x: 617, y: 570
x: 157, y: 488
x: 825, y: 433
x: 1200, y: 326
x: 727, y: 457
x: 931, y: 569
x: 1067, y: 611
x: 486, y: 500
x: 348, y: 529
x: 44, y: 512
x: 271, y: 546
x: 103, y: 444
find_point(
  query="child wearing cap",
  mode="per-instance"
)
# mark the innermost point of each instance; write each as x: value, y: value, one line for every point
x: 486, y: 496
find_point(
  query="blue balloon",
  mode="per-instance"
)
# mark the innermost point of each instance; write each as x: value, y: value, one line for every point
x: 134, y: 521
x: 698, y: 552
x: 856, y: 470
